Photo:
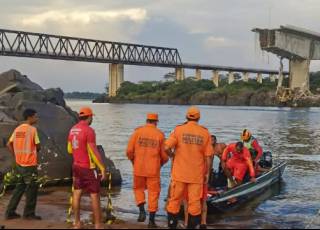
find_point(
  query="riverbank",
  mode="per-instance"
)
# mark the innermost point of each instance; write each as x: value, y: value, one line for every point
x: 52, y: 206
x: 204, y: 92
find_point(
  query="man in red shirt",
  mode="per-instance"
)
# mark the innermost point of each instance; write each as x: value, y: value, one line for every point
x: 236, y: 160
x: 86, y: 157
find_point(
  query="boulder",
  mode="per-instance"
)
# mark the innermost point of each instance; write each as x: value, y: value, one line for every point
x: 22, y: 82
x: 56, y: 119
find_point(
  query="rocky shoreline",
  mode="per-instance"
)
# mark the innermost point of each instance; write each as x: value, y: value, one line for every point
x: 263, y: 98
x: 17, y: 93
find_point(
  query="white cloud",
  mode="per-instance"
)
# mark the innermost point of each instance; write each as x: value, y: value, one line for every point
x: 218, y: 42
x: 84, y: 17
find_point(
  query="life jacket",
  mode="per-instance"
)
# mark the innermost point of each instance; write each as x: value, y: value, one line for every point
x: 24, y: 145
x: 249, y: 145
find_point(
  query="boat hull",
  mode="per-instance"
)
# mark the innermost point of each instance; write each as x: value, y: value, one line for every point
x: 232, y: 199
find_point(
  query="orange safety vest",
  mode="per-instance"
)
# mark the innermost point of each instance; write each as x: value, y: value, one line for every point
x: 25, y: 146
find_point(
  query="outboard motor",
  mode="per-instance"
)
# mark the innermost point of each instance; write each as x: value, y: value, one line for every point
x: 266, y: 160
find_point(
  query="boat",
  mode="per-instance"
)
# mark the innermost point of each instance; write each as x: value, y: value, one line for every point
x: 220, y: 200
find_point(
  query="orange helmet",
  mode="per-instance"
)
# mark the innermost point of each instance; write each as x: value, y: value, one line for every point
x: 152, y: 117
x: 246, y: 135
x: 85, y: 112
x: 193, y: 113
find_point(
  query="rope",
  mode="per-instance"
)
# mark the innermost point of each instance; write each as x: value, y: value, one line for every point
x: 12, y: 178
x: 69, y: 212
x: 110, y: 217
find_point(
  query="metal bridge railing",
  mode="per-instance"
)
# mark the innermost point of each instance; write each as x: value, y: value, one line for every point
x: 36, y: 45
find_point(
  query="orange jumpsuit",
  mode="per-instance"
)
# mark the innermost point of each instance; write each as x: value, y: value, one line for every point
x: 146, y: 151
x: 192, y: 144
x: 239, y: 163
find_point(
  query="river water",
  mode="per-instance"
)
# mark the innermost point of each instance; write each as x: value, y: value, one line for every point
x: 291, y: 134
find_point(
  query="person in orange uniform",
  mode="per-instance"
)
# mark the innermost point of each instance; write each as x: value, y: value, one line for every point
x: 86, y: 158
x: 238, y: 164
x: 24, y: 144
x: 218, y: 149
x: 146, y: 152
x: 251, y: 143
x: 191, y: 144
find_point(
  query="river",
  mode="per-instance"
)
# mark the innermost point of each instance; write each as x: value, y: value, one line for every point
x: 291, y: 134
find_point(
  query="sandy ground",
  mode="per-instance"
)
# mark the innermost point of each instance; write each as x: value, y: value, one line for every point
x: 52, y: 207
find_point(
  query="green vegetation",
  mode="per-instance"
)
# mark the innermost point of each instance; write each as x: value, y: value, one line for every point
x: 315, y: 82
x: 81, y: 95
x: 186, y: 89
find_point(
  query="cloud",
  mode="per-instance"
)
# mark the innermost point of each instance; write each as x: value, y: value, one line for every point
x: 85, y: 17
x: 205, y: 31
x: 218, y: 42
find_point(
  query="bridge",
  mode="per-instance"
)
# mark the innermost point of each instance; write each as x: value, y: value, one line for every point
x: 116, y: 54
x: 299, y: 46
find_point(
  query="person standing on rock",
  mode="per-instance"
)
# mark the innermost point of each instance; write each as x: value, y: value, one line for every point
x: 24, y: 144
x: 146, y: 152
x: 192, y: 158
x: 86, y: 158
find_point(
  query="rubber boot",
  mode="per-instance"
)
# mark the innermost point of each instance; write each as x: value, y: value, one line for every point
x: 172, y: 221
x: 203, y: 226
x: 194, y: 222
x: 152, y: 221
x: 142, y: 215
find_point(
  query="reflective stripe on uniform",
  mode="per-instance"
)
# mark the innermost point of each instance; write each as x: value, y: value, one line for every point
x: 27, y: 148
x: 24, y: 143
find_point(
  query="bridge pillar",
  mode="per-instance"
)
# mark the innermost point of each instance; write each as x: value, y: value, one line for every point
x: 116, y: 78
x: 215, y: 78
x: 280, y: 81
x: 180, y: 75
x: 272, y: 78
x: 299, y: 74
x: 230, y: 78
x: 246, y: 77
x: 259, y: 78
x: 198, y: 74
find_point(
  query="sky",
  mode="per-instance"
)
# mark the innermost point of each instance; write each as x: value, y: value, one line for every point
x: 216, y: 32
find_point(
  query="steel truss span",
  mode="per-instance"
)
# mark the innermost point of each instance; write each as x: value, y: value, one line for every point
x: 36, y: 45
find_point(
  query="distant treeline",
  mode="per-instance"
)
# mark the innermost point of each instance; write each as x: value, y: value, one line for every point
x: 82, y: 95
x: 188, y: 89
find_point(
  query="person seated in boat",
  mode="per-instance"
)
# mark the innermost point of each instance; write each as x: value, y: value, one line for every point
x: 217, y: 147
x: 236, y: 161
x: 251, y: 143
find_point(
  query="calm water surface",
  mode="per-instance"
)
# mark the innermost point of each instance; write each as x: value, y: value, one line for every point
x: 291, y: 134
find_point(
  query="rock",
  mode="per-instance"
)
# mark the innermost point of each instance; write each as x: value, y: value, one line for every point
x: 6, y: 130
x: 5, y: 99
x: 10, y: 88
x: 6, y: 160
x: 102, y: 99
x: 239, y: 99
x: 263, y: 98
x: 55, y: 96
x: 56, y: 119
x: 27, y: 96
x: 22, y: 82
